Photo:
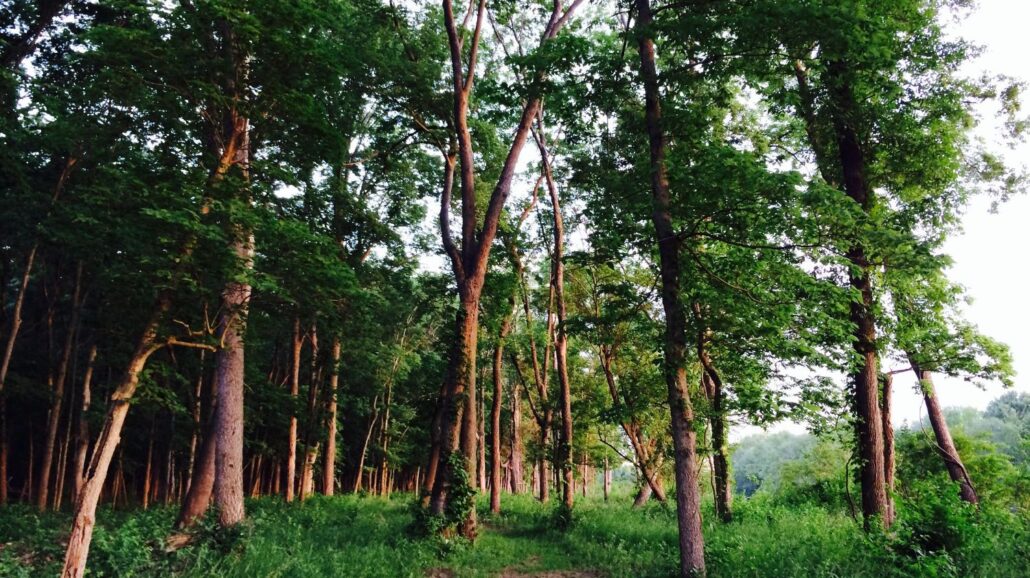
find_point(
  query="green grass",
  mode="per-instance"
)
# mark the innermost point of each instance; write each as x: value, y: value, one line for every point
x: 371, y: 537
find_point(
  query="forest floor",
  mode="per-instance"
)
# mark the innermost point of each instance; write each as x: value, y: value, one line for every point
x: 367, y: 537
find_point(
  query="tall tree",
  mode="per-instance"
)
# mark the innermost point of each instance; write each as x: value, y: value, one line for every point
x: 684, y: 438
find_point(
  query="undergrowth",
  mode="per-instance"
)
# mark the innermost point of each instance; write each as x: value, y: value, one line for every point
x: 935, y: 536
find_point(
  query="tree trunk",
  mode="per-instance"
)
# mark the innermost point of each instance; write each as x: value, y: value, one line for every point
x: 516, y: 456
x: 435, y: 433
x: 148, y: 475
x: 866, y: 383
x: 721, y: 459
x: 329, y: 465
x: 307, y: 477
x: 481, y: 433
x: 643, y: 495
x: 563, y: 455
x: 291, y: 442
x: 63, y: 456
x: 202, y: 480
x: 229, y: 362
x: 495, y: 412
x: 16, y: 319
x: 196, y: 411
x: 855, y: 185
x: 688, y: 500
x: 945, y: 445
x: 470, y: 262
x: 364, y: 448
x: 54, y: 417
x: 459, y: 417
x: 12, y: 336
x: 85, y: 511
x: 714, y: 390
x: 641, y: 453
x: 82, y: 432
x: 888, y: 442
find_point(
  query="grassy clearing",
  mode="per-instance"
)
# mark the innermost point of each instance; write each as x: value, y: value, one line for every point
x: 370, y: 537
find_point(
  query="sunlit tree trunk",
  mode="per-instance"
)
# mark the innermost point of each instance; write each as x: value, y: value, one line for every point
x: 945, y: 444
x: 329, y: 465
x: 688, y: 499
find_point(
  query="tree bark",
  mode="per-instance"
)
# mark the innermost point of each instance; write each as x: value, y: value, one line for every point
x: 196, y: 412
x: 886, y: 402
x: 82, y: 433
x: 232, y: 322
x: 945, y: 444
x: 720, y: 450
x: 364, y: 448
x: 291, y: 441
x: 202, y: 480
x: 329, y: 465
x: 853, y: 182
x: 516, y: 455
x: 866, y: 383
x: 712, y: 385
x: 688, y: 500
x: 495, y: 412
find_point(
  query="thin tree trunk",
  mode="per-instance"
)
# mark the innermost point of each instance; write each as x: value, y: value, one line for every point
x: 945, y: 445
x: 364, y: 448
x: 435, y: 434
x: 291, y: 447
x: 481, y: 433
x: 688, y: 500
x: 329, y: 465
x: 516, y: 456
x: 888, y: 442
x: 54, y: 417
x: 196, y: 410
x: 26, y: 487
x: 641, y: 453
x: 307, y: 477
x: 495, y: 412
x: 255, y: 481
x: 63, y: 455
x: 563, y: 455
x: 714, y: 390
x: 852, y: 164
x: 149, y: 470
x: 82, y: 436
x: 851, y: 159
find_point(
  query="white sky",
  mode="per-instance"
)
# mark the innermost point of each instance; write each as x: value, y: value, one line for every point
x: 990, y: 256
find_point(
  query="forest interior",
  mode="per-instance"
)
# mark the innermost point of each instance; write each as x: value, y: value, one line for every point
x: 510, y: 288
